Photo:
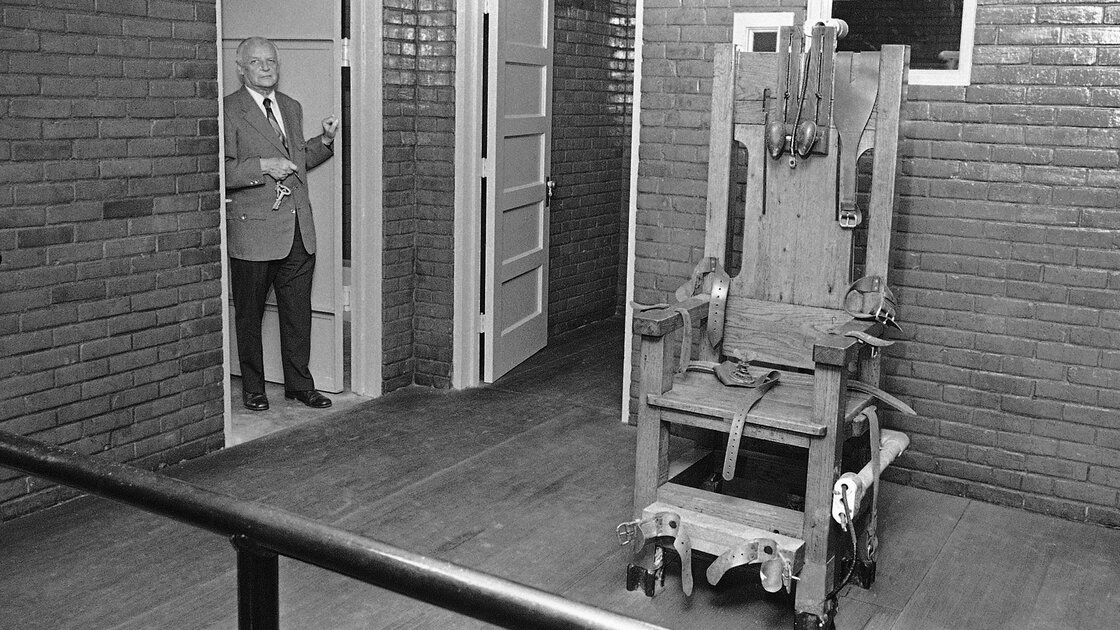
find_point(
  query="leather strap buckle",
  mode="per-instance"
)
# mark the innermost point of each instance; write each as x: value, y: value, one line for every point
x: 660, y: 525
x: 871, y: 298
x: 849, y: 216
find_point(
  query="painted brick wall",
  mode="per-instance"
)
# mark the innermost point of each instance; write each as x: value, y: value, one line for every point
x: 419, y: 192
x: 1009, y: 267
x: 110, y: 305
x: 592, y: 86
x: 1005, y: 260
x: 399, y: 208
x: 435, y: 188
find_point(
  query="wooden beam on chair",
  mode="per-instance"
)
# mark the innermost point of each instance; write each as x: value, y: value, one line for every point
x: 821, y: 541
x: 652, y: 450
x: 720, y: 149
x: 839, y: 350
x: 662, y: 321
x: 893, y: 66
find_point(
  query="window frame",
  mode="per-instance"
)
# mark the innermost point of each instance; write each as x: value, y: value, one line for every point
x: 748, y: 24
x: 820, y: 10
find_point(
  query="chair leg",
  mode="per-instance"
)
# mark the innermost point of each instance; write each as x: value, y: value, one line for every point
x: 815, y: 597
x: 652, y: 451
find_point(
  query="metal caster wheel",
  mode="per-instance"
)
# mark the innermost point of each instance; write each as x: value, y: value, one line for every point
x: 864, y: 573
x: 637, y: 576
x: 809, y: 621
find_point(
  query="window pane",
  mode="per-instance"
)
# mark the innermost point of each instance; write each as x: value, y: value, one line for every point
x: 932, y: 28
x: 765, y: 41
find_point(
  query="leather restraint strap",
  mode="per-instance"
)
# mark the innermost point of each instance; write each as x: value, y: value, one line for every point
x: 717, y: 307
x: 860, y: 386
x: 686, y: 339
x: 875, y: 342
x: 873, y: 521
x: 751, y: 396
x: 871, y: 298
x: 662, y: 524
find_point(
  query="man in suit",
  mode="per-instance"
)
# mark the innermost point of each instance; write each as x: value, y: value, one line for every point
x: 270, y: 229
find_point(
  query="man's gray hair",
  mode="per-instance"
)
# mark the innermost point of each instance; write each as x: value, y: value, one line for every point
x: 251, y: 41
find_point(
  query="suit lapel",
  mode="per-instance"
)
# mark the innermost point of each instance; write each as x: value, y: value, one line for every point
x: 256, y: 119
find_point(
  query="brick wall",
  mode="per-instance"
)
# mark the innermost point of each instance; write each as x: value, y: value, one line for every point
x: 110, y: 305
x: 1005, y: 255
x: 592, y: 87
x: 435, y: 186
x: 1009, y: 268
x: 419, y: 192
x: 399, y: 208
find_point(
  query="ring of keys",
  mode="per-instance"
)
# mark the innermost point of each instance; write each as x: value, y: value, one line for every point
x: 281, y: 192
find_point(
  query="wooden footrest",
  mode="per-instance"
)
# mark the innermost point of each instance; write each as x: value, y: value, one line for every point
x: 714, y: 535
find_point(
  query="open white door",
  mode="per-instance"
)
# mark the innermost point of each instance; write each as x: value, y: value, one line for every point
x: 310, y: 47
x: 519, y: 104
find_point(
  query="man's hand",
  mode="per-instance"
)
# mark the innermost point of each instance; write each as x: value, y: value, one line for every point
x: 277, y: 168
x: 330, y: 128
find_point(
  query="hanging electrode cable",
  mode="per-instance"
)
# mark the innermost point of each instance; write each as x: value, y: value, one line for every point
x: 805, y: 134
x: 800, y: 105
x: 850, y: 526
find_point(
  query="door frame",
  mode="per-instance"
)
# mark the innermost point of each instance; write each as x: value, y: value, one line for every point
x: 366, y: 133
x: 470, y: 167
x: 473, y: 114
x: 367, y: 191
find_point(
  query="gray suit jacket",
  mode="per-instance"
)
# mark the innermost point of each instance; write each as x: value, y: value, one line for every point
x: 255, y: 231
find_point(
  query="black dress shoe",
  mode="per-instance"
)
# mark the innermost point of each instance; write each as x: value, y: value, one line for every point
x: 309, y: 397
x: 254, y: 402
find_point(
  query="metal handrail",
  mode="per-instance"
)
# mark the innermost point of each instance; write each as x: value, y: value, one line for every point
x: 261, y: 532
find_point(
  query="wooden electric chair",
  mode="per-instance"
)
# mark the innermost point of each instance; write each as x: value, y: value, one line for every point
x: 787, y: 350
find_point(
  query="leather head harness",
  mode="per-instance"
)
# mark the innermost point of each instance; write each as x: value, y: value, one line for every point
x: 871, y: 298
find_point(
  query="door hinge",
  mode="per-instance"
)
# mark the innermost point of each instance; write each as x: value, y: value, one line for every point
x: 345, y: 52
x: 550, y: 189
x: 486, y: 322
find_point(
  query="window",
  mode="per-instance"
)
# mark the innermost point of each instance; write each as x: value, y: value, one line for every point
x: 758, y: 32
x: 939, y: 33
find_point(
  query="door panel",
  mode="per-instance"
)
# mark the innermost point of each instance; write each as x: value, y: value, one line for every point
x: 520, y: 102
x: 310, y: 71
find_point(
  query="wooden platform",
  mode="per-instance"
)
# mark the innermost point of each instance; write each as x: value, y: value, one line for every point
x: 527, y: 480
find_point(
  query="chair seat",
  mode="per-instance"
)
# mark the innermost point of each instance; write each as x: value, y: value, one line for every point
x: 788, y: 406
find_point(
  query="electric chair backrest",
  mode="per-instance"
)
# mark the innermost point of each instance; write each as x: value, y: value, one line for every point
x: 800, y: 213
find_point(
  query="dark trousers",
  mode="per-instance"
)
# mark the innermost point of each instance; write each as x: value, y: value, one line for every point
x: 250, y: 282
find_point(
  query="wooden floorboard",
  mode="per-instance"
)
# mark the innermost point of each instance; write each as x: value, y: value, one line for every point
x: 1005, y: 568
x: 525, y: 479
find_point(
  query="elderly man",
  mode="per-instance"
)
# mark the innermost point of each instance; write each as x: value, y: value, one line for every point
x: 270, y: 229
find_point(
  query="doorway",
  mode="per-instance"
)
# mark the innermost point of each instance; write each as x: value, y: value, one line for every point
x: 318, y: 71
x: 504, y: 187
x: 588, y: 176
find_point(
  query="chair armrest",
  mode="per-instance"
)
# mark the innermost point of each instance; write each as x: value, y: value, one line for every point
x: 837, y: 350
x: 662, y: 321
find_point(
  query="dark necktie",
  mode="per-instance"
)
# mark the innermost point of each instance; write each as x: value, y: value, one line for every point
x: 275, y: 125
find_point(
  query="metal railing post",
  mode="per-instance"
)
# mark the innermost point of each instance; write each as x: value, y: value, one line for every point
x: 258, y: 585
